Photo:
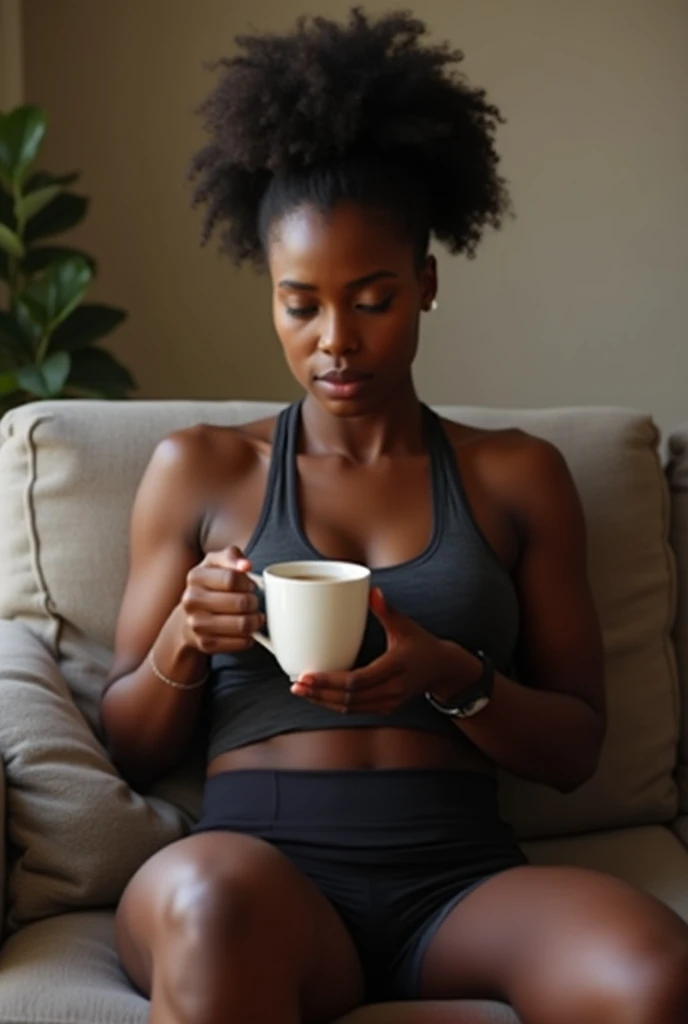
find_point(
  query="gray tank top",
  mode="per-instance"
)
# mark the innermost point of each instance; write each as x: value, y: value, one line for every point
x: 457, y: 588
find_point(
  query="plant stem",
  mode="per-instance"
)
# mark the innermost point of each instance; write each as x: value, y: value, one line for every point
x: 42, y: 349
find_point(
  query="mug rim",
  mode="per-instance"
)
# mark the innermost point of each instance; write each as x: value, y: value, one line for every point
x: 355, y: 572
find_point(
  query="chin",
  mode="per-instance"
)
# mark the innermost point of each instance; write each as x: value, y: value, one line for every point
x: 343, y: 408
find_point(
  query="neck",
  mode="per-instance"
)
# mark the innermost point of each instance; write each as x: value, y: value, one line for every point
x: 395, y: 427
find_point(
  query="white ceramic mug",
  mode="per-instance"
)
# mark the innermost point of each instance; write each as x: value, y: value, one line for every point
x: 316, y: 613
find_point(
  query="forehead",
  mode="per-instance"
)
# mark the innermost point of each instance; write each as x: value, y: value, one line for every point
x: 343, y: 244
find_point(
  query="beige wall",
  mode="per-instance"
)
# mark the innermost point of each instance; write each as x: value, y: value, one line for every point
x: 581, y: 299
x: 11, y: 54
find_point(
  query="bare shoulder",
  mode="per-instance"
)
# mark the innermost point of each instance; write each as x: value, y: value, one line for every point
x: 189, y: 467
x: 207, y: 453
x: 526, y: 473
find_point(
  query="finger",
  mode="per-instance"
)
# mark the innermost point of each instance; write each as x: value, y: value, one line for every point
x: 219, y: 577
x: 376, y: 708
x: 197, y: 600
x: 374, y: 674
x: 223, y: 644
x: 391, y: 691
x: 390, y: 619
x: 229, y: 558
x: 226, y: 625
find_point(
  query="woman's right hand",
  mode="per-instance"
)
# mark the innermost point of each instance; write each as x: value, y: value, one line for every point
x: 219, y: 604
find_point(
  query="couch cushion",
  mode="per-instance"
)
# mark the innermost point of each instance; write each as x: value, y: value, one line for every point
x: 677, y: 471
x: 651, y: 858
x: 76, y: 829
x: 68, y: 473
x: 66, y: 971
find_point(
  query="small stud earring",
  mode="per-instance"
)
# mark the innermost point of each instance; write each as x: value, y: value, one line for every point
x: 434, y: 305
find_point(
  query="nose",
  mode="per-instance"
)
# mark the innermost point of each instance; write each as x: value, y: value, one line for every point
x: 339, y: 337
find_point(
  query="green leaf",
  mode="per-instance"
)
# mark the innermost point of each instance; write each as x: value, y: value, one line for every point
x: 95, y: 370
x: 52, y: 297
x: 8, y: 383
x: 41, y: 179
x: 63, y: 213
x: 56, y: 370
x: 41, y: 257
x: 21, y: 134
x: 32, y: 315
x: 34, y: 202
x: 30, y: 379
x: 85, y: 325
x: 10, y: 242
x: 48, y: 379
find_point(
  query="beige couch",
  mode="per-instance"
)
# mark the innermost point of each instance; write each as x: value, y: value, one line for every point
x: 75, y: 832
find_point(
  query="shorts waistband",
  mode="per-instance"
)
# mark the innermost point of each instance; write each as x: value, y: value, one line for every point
x: 379, y: 796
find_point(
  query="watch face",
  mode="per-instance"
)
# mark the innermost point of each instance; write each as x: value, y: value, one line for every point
x: 473, y: 708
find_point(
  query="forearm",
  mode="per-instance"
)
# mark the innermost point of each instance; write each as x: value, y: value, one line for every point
x: 538, y: 734
x: 149, y: 724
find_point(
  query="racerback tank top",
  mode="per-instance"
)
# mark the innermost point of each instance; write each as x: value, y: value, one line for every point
x: 456, y: 588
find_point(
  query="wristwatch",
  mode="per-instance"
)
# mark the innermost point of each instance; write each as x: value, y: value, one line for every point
x: 469, y: 702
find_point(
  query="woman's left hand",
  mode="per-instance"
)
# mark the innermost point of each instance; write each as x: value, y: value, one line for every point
x: 413, y: 662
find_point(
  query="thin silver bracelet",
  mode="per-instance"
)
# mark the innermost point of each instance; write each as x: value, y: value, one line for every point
x: 170, y: 682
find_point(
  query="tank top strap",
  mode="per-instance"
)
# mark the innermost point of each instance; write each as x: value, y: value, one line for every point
x: 276, y: 504
x: 447, y: 484
x: 291, y: 517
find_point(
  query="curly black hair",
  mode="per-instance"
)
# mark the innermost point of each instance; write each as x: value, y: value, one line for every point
x: 362, y: 111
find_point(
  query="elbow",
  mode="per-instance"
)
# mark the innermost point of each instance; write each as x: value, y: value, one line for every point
x: 580, y: 769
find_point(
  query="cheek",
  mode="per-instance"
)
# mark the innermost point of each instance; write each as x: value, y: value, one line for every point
x: 295, y: 339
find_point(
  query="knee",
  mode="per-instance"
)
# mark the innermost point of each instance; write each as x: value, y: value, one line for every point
x: 659, y: 992
x: 210, y: 906
x: 639, y: 986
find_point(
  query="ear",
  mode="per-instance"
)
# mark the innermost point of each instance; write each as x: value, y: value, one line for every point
x: 428, y: 283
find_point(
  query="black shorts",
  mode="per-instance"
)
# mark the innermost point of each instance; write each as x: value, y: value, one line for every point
x: 393, y: 850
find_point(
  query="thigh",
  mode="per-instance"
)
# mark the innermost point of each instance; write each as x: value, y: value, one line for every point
x: 533, y: 936
x: 323, y: 951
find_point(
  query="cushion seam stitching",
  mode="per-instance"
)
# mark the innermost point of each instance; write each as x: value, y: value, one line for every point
x: 34, y: 544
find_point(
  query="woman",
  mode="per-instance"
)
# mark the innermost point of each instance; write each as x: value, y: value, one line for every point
x: 350, y: 846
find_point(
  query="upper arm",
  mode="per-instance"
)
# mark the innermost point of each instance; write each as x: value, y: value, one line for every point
x: 163, y: 546
x: 560, y: 647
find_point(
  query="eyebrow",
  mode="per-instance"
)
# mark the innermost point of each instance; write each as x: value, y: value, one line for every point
x: 300, y: 286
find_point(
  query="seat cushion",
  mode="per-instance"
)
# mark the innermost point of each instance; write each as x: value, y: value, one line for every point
x: 65, y: 970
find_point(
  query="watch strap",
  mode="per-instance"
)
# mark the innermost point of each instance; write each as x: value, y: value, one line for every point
x: 480, y: 691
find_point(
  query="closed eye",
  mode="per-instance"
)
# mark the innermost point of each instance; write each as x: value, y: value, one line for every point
x: 303, y: 312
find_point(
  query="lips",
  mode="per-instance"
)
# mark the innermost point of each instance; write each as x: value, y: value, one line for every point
x: 343, y: 377
x: 343, y: 385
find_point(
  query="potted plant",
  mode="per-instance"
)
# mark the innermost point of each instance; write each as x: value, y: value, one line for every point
x: 47, y: 331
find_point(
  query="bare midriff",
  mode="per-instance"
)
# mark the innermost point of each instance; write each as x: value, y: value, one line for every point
x: 354, y: 749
